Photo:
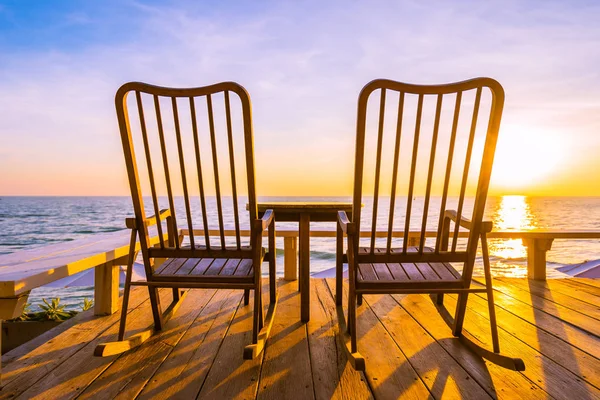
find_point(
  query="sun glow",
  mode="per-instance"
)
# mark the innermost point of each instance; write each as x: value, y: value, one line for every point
x: 526, y: 158
x: 512, y: 213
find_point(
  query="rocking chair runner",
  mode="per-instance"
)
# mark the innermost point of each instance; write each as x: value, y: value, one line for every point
x: 202, y: 263
x: 422, y: 269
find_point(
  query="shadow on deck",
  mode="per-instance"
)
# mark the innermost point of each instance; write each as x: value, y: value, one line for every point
x: 553, y: 326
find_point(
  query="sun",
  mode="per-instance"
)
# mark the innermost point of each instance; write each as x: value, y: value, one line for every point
x: 526, y: 158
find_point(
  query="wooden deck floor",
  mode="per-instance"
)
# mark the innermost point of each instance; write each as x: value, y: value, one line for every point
x: 409, y: 351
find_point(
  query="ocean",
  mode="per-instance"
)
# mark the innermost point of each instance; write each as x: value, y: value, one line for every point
x: 30, y: 222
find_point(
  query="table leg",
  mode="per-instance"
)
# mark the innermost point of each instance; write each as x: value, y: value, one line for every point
x: 304, y: 250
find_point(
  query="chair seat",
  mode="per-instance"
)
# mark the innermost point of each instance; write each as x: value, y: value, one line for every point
x: 405, y: 272
x: 227, y: 269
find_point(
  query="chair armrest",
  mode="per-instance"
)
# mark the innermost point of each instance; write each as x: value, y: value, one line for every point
x: 486, y: 226
x: 344, y: 223
x: 267, y: 219
x: 131, y: 223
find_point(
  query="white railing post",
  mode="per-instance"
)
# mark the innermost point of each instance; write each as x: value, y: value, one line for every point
x: 290, y: 258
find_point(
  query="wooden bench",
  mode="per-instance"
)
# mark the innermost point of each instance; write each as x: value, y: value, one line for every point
x: 22, y: 271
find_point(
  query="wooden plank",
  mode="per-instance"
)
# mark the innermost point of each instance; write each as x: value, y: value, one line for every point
x: 383, y: 272
x: 541, y: 289
x: 216, y: 266
x: 367, y: 272
x: 444, y: 377
x: 589, y: 281
x: 558, y: 310
x: 561, y: 352
x: 540, y: 369
x: 230, y: 266
x: 427, y: 271
x: 412, y: 271
x: 126, y: 377
x: 231, y: 376
x: 549, y: 323
x: 202, y: 266
x: 71, y: 377
x: 494, y: 379
x: 173, y: 266
x: 183, y: 373
x: 29, y: 363
x: 564, y: 286
x: 332, y: 374
x: 579, y: 285
x: 286, y: 368
x: 398, y: 272
x: 388, y: 372
x: 188, y: 266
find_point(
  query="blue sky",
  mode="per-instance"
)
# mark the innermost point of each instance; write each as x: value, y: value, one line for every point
x: 304, y: 64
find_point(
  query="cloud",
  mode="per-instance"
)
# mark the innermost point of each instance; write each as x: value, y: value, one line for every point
x: 303, y: 64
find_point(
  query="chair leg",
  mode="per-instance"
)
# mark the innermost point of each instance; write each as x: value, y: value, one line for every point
x: 439, y: 299
x: 257, y: 314
x: 128, y: 274
x: 490, y: 293
x: 156, y: 309
x: 124, y: 307
x: 459, y: 316
x: 352, y: 320
x: 339, y: 266
x: 246, y: 297
x: 359, y: 299
x: 176, y: 294
x: 272, y: 264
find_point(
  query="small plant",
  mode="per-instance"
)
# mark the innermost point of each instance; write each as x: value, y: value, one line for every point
x: 53, y: 311
x: 87, y: 304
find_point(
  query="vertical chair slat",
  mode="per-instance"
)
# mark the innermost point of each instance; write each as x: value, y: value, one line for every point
x: 466, y: 170
x: 413, y: 168
x: 213, y: 142
x: 199, y: 169
x: 186, y: 198
x: 140, y: 107
x: 395, y: 171
x: 438, y: 241
x: 163, y: 147
x: 436, y: 127
x: 378, y: 168
x: 232, y: 166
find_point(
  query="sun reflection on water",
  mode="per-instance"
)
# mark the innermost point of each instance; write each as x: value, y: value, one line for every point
x: 511, y: 214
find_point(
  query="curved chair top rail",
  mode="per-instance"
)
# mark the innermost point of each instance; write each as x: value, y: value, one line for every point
x: 181, y: 92
x: 184, y: 165
x: 445, y: 88
x: 415, y: 138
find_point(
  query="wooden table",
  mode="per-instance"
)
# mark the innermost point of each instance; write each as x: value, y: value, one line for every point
x: 303, y: 213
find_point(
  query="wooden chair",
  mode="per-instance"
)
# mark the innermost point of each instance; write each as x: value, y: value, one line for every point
x: 206, y: 262
x: 412, y: 266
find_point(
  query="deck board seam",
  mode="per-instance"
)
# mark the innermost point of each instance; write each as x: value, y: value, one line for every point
x: 558, y: 320
x: 172, y: 346
x: 237, y: 308
x: 553, y: 302
x: 443, y: 347
x: 362, y: 374
x: 75, y: 353
x: 366, y: 303
x: 578, y: 378
x: 573, y: 308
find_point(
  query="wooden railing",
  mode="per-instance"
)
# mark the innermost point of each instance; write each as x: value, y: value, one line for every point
x: 537, y: 243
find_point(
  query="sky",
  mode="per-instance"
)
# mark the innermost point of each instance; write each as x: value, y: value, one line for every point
x: 304, y: 64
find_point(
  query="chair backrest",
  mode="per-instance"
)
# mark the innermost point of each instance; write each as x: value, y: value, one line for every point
x: 429, y: 143
x: 174, y: 134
